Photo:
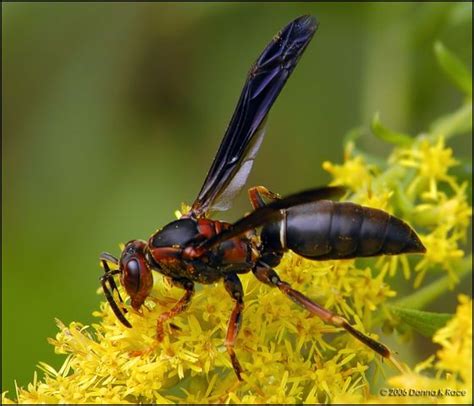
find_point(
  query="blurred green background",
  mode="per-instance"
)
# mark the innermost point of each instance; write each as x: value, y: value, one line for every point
x: 112, y: 114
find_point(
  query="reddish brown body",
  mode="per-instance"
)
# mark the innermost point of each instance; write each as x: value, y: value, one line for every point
x: 179, y: 260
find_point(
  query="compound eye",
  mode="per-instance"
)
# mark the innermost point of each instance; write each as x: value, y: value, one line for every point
x: 132, y: 275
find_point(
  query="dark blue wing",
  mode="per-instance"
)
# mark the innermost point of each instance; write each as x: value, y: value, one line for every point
x: 234, y: 159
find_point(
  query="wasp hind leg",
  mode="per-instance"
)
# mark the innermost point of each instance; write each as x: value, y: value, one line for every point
x: 269, y: 276
x: 257, y: 195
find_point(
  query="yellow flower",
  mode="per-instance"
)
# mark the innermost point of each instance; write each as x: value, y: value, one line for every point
x: 455, y: 338
x: 432, y: 162
x: 441, y: 249
x: 353, y: 173
x: 451, y: 211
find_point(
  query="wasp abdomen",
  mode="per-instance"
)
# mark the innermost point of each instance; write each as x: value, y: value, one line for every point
x: 333, y: 230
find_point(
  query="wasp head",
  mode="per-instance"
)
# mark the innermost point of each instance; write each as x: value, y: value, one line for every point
x: 135, y: 274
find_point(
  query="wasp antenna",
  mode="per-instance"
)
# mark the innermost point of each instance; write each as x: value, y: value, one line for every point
x: 105, y: 256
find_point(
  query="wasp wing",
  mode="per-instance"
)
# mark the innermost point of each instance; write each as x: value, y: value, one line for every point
x: 273, y: 211
x: 244, y: 135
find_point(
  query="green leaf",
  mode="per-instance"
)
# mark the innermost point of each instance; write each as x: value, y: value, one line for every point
x: 425, y: 323
x: 454, y: 68
x: 387, y: 135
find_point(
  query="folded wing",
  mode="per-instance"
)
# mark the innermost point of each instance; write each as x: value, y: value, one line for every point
x: 244, y: 135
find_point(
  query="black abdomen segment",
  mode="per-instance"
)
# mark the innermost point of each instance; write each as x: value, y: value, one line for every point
x: 333, y: 230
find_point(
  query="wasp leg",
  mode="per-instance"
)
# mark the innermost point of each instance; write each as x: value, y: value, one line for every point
x: 270, y: 277
x: 258, y: 193
x: 178, y: 308
x: 234, y: 287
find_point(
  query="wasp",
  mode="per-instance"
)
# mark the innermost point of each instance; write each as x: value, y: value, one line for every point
x: 313, y: 223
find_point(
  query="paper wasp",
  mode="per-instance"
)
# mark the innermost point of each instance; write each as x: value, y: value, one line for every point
x: 197, y: 249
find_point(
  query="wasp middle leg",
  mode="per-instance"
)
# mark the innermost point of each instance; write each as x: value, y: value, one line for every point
x: 234, y: 287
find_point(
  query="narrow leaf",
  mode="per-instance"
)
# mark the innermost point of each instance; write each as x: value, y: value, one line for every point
x: 425, y: 323
x: 392, y: 137
x: 454, y: 68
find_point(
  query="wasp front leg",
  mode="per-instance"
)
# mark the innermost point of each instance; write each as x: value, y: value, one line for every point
x: 257, y: 195
x: 234, y: 287
x: 109, y: 277
x: 178, y: 308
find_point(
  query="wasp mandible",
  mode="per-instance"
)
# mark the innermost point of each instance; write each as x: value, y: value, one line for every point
x: 197, y: 249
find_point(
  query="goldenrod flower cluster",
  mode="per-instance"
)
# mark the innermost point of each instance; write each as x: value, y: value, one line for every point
x: 416, y: 186
x: 288, y: 356
x: 282, y: 349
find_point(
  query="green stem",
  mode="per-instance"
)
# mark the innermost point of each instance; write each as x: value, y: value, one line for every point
x: 426, y: 295
x: 456, y: 123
